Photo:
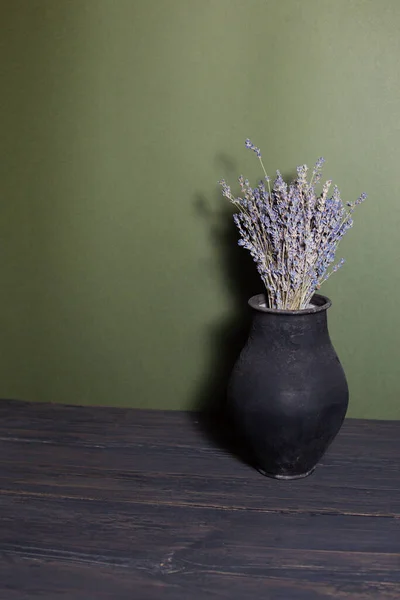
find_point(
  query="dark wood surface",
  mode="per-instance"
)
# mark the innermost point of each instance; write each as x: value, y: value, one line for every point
x: 101, y: 503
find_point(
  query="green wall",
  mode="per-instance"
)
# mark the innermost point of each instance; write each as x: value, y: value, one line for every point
x: 121, y: 280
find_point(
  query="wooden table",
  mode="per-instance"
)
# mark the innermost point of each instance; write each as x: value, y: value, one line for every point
x: 101, y: 503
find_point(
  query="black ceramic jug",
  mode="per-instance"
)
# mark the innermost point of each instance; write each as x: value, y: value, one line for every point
x: 288, y: 391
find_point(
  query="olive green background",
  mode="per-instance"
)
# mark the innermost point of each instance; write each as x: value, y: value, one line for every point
x: 121, y: 280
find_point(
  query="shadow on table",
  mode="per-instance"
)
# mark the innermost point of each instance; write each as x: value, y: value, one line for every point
x: 226, y: 339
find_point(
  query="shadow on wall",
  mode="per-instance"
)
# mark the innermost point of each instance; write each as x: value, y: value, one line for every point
x: 226, y: 339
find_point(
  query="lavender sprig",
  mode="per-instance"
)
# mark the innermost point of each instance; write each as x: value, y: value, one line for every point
x: 291, y: 232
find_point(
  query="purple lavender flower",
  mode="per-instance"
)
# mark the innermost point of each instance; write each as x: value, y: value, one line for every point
x: 317, y: 171
x: 291, y: 232
x: 251, y: 146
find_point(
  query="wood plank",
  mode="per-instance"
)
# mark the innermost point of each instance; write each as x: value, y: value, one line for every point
x: 194, y: 549
x: 84, y: 524
x: 62, y: 424
x: 360, y: 468
x: 201, y: 491
x: 31, y: 578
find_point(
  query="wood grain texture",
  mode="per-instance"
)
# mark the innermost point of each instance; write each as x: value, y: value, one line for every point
x: 113, y: 503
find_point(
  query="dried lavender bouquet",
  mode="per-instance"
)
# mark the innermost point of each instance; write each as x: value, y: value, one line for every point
x: 291, y: 232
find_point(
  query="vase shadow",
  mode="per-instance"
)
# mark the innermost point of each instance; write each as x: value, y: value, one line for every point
x: 226, y: 339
